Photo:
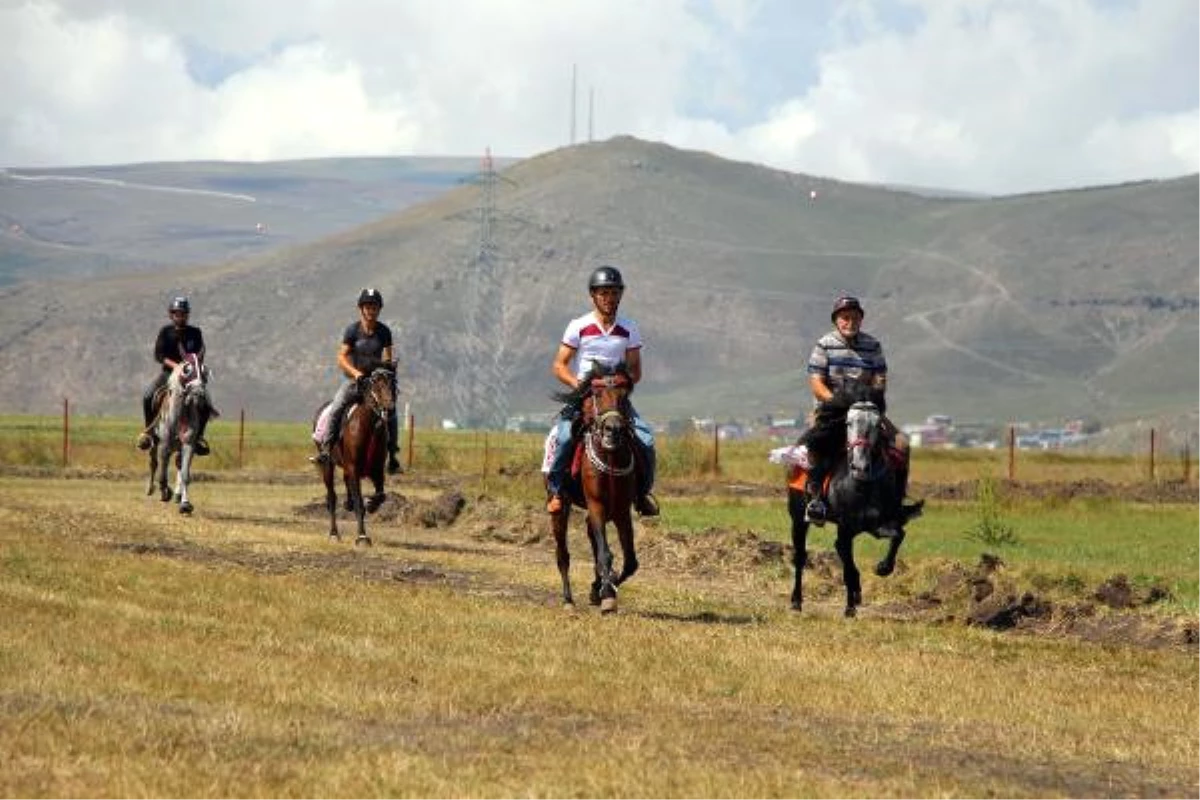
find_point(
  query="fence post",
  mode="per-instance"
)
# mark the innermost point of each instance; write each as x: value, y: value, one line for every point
x: 1012, y: 448
x: 1152, y: 454
x: 66, y: 443
x: 1187, y: 463
x: 716, y: 448
x: 409, y: 421
x: 241, y: 439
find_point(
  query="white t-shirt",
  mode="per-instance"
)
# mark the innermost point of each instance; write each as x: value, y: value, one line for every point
x: 595, y: 345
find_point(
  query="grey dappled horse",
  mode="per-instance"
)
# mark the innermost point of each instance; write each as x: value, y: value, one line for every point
x: 864, y: 497
x: 184, y: 414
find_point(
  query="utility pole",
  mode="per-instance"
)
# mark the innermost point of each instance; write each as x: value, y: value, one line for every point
x: 480, y: 382
x: 574, y: 73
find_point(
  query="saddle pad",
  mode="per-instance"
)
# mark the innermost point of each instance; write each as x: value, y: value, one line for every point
x: 798, y: 479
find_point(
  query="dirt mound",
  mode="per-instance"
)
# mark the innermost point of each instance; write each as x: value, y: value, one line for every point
x: 395, y: 508
x: 1175, y: 491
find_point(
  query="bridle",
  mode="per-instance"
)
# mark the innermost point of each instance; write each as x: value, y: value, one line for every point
x: 377, y: 394
x: 862, y: 429
x: 608, y: 431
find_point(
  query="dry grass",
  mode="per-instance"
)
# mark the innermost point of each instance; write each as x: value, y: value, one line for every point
x: 237, y: 653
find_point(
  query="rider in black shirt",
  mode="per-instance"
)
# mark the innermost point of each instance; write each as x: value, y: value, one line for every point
x: 173, y: 342
x: 365, y: 344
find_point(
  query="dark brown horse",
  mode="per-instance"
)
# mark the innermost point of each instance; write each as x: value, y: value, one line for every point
x: 606, y: 485
x: 360, y: 450
x: 864, y: 497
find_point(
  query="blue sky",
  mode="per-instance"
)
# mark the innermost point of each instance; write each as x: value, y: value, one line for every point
x: 997, y: 96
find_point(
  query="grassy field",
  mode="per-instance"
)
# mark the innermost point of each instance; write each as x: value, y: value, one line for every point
x: 239, y: 653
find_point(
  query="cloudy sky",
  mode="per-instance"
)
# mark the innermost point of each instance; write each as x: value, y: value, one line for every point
x: 994, y: 96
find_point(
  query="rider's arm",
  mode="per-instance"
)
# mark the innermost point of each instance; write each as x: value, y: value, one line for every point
x: 633, y: 363
x: 346, y: 365
x: 560, y: 367
x: 820, y: 389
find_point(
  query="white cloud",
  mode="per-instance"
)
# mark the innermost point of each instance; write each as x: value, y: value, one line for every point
x: 986, y: 96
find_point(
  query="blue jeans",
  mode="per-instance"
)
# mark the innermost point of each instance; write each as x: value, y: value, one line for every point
x: 563, y: 453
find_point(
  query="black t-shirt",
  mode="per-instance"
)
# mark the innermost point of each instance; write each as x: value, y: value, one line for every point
x: 367, y: 351
x: 173, y: 343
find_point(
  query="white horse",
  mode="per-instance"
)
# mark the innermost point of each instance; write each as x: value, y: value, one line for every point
x: 180, y: 423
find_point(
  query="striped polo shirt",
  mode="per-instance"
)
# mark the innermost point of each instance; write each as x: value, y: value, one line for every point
x: 595, y: 345
x: 839, y: 362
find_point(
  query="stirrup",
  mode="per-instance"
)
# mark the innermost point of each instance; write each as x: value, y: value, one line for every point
x: 144, y: 441
x: 816, y: 511
x: 322, y: 457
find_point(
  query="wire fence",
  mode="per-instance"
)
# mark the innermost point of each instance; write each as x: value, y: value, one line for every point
x: 244, y: 444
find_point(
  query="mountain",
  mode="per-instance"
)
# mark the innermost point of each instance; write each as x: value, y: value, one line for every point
x: 1040, y: 307
x: 92, y: 221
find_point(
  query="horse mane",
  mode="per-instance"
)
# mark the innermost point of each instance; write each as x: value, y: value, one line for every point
x: 584, y: 387
x: 857, y: 392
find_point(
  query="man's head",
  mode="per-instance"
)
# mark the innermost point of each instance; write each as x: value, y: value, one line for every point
x: 179, y: 310
x: 606, y: 287
x: 847, y: 315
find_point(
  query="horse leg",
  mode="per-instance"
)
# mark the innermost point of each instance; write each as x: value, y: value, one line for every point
x: 562, y: 555
x: 850, y: 574
x: 797, y: 504
x: 376, y: 500
x: 183, y: 477
x: 354, y: 485
x: 153, y: 470
x: 330, y: 499
x: 606, y: 590
x: 886, y: 566
x: 629, y: 561
x: 164, y: 464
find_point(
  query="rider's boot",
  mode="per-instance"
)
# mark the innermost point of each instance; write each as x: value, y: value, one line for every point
x: 144, y: 440
x: 646, y: 505
x: 322, y: 456
x: 201, y: 447
x: 393, y: 465
x: 816, y: 511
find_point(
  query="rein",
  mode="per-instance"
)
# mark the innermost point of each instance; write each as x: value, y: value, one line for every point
x: 597, y: 461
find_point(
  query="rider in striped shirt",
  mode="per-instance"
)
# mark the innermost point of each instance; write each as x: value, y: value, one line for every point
x: 843, y: 356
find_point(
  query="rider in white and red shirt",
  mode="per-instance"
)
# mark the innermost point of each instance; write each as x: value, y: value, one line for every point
x: 598, y: 337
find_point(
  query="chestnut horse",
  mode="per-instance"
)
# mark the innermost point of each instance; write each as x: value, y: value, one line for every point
x: 864, y: 497
x: 606, y: 487
x: 361, y: 450
x: 182, y: 417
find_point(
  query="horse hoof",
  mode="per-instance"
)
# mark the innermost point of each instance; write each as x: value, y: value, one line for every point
x: 608, y: 605
x: 185, y: 508
x: 795, y: 605
x: 883, y: 569
x: 568, y: 606
x: 850, y: 612
x: 362, y: 541
x: 335, y: 537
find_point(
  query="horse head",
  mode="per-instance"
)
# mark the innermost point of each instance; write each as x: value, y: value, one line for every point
x: 376, y: 391
x: 608, y: 391
x: 862, y: 439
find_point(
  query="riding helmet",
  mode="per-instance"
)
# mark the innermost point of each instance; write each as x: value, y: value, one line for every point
x: 181, y: 304
x: 605, y: 277
x: 370, y: 296
x: 845, y: 303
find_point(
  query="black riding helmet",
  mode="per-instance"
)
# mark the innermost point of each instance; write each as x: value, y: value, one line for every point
x: 370, y: 296
x: 846, y: 303
x: 180, y: 304
x: 605, y: 277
